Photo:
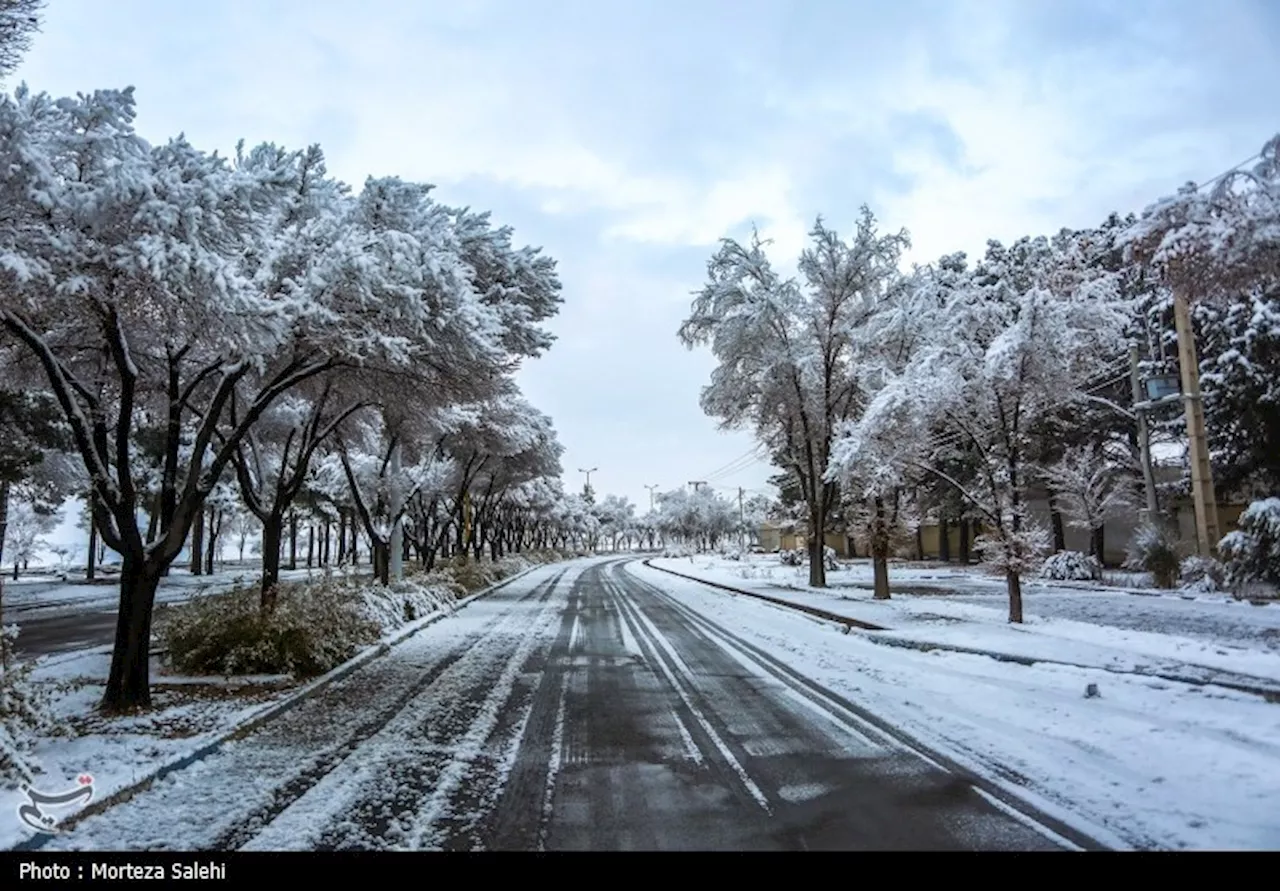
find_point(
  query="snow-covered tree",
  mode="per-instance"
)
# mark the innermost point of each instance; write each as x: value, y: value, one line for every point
x: 23, y: 534
x: 1218, y: 243
x: 784, y: 350
x: 1005, y: 350
x: 166, y: 290
x: 19, y: 19
x: 1090, y: 488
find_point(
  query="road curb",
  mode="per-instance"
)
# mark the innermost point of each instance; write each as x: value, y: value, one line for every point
x: 269, y: 712
x: 838, y: 619
x: 1242, y: 684
x: 1269, y: 693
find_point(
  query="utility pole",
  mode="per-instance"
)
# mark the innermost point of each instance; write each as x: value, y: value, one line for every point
x: 742, y: 518
x: 1144, y: 437
x: 586, y: 490
x: 1207, y: 530
x: 651, y: 491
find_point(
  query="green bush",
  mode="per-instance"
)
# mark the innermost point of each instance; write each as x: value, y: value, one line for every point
x: 1154, y: 549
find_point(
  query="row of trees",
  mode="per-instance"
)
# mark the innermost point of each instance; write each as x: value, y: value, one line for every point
x: 960, y: 390
x: 201, y: 332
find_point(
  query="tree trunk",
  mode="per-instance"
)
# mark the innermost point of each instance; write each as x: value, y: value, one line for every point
x: 272, y: 533
x: 1059, y: 528
x: 91, y: 565
x: 880, y: 552
x: 1015, y: 597
x: 4, y: 514
x: 964, y: 542
x: 920, y: 543
x: 1098, y: 543
x: 355, y: 541
x: 293, y: 540
x: 380, y: 556
x: 311, y: 544
x: 197, y: 543
x: 152, y: 520
x: 215, y: 529
x: 944, y: 539
x: 817, y: 568
x: 129, y: 681
x: 324, y: 558
x: 342, y: 536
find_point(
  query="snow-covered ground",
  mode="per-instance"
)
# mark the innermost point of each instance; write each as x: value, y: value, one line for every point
x: 45, y: 594
x: 187, y: 713
x: 116, y: 752
x: 1158, y: 763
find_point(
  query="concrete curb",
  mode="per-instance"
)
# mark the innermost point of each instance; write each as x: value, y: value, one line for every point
x: 269, y: 712
x: 1233, y: 682
x: 838, y: 619
x: 1240, y: 683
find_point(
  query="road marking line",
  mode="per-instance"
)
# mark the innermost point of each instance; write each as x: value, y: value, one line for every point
x: 686, y: 738
x: 656, y: 636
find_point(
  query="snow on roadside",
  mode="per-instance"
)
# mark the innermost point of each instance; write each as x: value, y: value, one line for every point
x: 1106, y: 628
x: 188, y: 712
x: 1157, y: 763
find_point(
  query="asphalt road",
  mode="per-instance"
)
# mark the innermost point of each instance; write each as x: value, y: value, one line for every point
x: 577, y: 709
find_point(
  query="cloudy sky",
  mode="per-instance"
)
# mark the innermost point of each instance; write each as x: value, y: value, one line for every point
x: 627, y: 136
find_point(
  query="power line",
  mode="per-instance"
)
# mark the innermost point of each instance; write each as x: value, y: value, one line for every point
x: 746, y: 456
x: 1229, y: 171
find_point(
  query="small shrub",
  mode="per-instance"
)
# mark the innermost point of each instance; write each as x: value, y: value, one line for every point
x: 1202, y: 574
x: 1071, y: 566
x: 830, y: 560
x: 1251, y: 555
x: 25, y: 712
x: 733, y: 555
x: 1154, y: 549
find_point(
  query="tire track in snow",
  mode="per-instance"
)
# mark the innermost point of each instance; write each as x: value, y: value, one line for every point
x: 312, y: 818
x: 501, y: 808
x: 229, y: 797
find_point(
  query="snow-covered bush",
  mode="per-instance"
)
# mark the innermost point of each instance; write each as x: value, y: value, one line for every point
x: 676, y: 551
x: 1071, y: 566
x: 829, y: 558
x: 1202, y: 574
x: 313, y: 629
x: 796, y: 557
x: 1154, y: 549
x: 733, y: 554
x: 1251, y: 555
x: 25, y: 713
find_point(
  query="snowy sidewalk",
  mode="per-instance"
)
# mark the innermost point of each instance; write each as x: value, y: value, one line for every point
x: 1235, y: 644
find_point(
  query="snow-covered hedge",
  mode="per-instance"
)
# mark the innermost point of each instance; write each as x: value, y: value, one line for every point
x: 676, y: 552
x: 1071, y: 566
x: 25, y: 713
x: 1154, y: 549
x: 317, y: 625
x: 732, y: 554
x: 1202, y: 574
x: 1252, y: 554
